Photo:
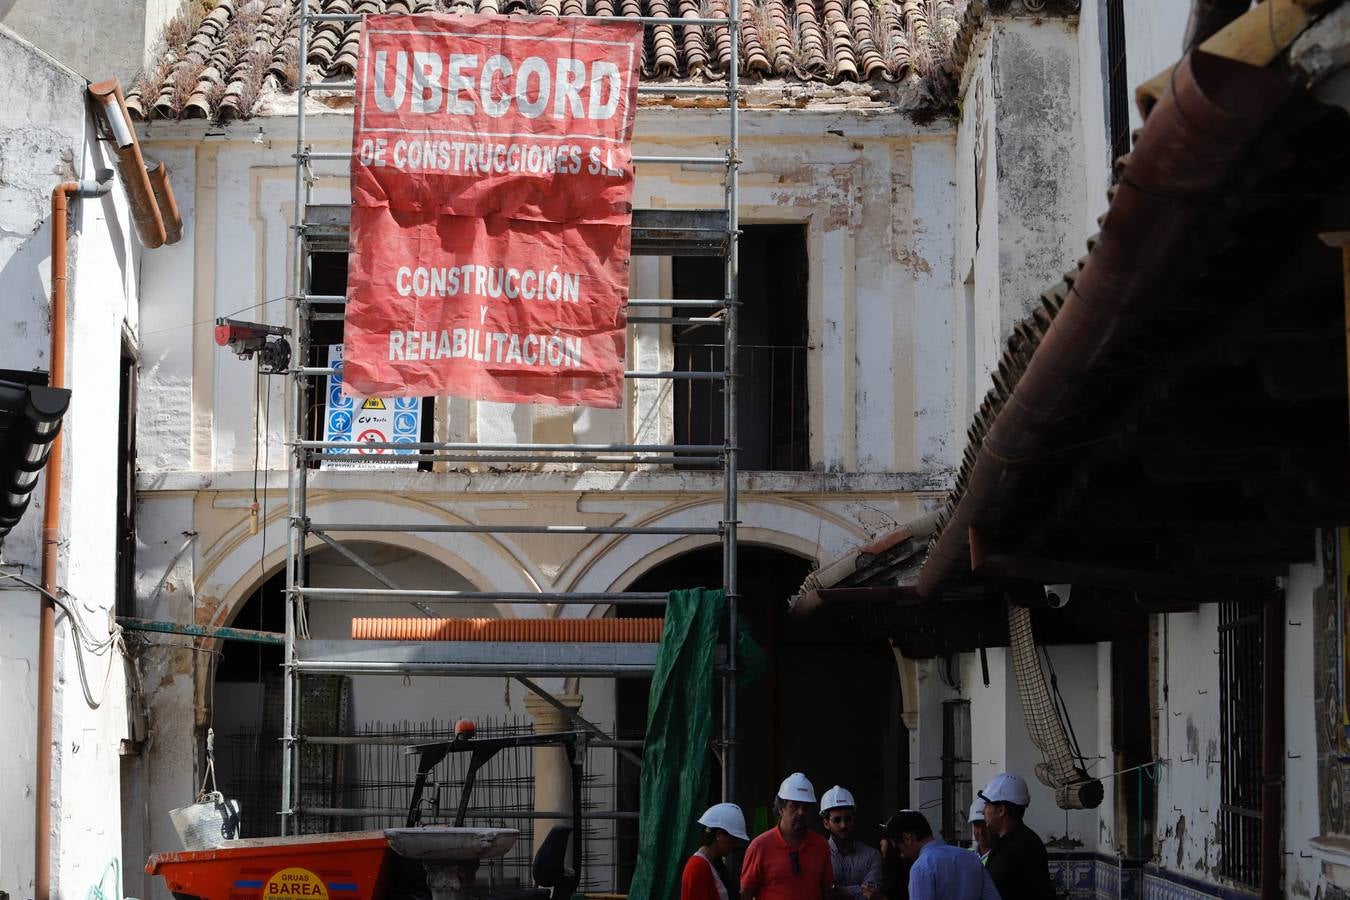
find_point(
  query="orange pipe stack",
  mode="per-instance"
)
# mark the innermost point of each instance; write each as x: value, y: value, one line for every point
x: 607, y: 631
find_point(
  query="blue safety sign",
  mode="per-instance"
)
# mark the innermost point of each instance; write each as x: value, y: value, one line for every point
x: 370, y: 424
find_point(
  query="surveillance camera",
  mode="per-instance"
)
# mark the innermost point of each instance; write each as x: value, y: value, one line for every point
x: 1057, y: 595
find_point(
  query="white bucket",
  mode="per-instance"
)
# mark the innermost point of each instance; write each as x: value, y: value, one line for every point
x: 208, y: 823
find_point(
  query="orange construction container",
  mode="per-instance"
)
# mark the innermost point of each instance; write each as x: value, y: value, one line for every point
x: 345, y: 866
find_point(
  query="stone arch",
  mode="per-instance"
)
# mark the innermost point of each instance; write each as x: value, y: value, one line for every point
x: 230, y: 576
x: 796, y: 528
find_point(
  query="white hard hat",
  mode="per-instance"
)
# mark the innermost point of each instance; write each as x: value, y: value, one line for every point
x: 726, y: 816
x: 976, y: 812
x: 835, y: 798
x: 1007, y: 788
x: 796, y: 787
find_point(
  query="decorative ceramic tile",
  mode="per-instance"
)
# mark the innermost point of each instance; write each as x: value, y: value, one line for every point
x: 1074, y: 877
x: 1160, y: 886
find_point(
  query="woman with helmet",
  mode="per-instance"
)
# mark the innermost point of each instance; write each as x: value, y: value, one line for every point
x: 705, y: 874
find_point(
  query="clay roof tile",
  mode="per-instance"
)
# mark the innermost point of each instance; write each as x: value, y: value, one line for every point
x: 241, y: 50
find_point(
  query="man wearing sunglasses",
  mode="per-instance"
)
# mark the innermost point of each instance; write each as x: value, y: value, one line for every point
x: 857, y: 867
x: 789, y: 862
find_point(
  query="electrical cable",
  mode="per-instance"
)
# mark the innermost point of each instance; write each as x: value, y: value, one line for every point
x: 1062, y: 709
x: 84, y: 641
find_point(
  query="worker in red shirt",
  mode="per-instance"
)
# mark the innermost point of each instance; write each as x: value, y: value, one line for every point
x: 705, y: 876
x: 789, y: 862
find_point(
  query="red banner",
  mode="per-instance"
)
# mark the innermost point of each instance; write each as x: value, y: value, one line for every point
x: 491, y: 202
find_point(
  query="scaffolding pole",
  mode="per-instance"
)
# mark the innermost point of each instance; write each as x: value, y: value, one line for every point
x: 667, y: 233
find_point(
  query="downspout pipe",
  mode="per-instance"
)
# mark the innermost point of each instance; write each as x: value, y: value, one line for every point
x: 51, y: 534
x: 152, y: 226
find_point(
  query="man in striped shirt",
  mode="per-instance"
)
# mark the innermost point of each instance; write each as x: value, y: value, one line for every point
x: 857, y: 867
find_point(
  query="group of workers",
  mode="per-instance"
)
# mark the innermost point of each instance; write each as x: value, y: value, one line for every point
x: 1006, y: 859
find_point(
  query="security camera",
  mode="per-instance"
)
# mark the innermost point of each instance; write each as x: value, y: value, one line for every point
x: 1057, y: 595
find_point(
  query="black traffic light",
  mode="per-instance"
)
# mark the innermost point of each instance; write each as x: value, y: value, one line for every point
x: 30, y: 419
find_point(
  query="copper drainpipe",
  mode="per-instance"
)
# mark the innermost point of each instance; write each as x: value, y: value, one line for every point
x: 150, y: 219
x: 157, y: 219
x: 51, y: 535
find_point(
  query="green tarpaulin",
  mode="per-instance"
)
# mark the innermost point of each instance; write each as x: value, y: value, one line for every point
x: 677, y: 756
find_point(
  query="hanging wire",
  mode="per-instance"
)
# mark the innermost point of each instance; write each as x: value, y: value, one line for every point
x: 85, y: 642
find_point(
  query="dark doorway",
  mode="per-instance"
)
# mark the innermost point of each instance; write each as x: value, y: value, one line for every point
x: 1132, y: 742
x: 827, y: 706
x: 771, y: 403
x: 126, y: 482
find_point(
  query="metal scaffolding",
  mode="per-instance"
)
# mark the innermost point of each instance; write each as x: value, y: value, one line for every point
x: 664, y: 232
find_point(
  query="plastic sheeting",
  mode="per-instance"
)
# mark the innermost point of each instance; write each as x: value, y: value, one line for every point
x: 677, y: 758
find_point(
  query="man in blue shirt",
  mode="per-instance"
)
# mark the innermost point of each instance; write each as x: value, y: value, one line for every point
x: 940, y: 871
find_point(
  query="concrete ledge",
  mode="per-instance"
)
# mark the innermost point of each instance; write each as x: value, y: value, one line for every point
x: 663, y: 482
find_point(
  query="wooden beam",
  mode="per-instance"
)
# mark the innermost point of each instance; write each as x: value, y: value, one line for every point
x: 1199, y: 585
x: 1342, y: 239
x: 1256, y: 37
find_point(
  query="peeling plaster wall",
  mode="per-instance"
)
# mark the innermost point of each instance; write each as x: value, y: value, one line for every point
x: 96, y: 38
x: 1020, y: 183
x: 1188, y: 787
x: 977, y: 190
x: 1107, y: 839
x: 872, y: 190
x: 1093, y: 122
x: 46, y: 137
x: 1039, y: 160
x: 1302, y: 873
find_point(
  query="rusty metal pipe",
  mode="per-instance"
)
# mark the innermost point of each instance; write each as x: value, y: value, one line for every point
x: 1191, y: 145
x: 145, y: 211
x: 168, y: 205
x: 51, y: 536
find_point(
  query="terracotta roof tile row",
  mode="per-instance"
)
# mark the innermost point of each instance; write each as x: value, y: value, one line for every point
x: 221, y: 57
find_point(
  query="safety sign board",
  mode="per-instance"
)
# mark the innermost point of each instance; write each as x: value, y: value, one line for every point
x: 367, y: 421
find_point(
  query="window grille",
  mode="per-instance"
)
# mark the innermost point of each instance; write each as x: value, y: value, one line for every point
x: 1240, y: 723
x: 956, y: 751
x: 1117, y: 88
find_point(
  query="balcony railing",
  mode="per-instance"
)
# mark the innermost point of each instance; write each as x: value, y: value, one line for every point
x: 772, y: 424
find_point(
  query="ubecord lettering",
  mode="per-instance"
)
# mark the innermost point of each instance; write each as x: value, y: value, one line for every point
x: 474, y: 280
x: 486, y: 346
x: 425, y: 83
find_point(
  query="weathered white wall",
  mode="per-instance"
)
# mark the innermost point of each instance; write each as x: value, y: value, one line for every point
x: 999, y: 740
x: 1020, y: 174
x: 1107, y: 838
x: 977, y: 235
x: 96, y: 38
x: 46, y: 137
x: 1188, y: 786
x: 881, y: 295
x: 1303, y: 876
x: 1076, y: 667
x: 1093, y: 122
x: 1155, y: 31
